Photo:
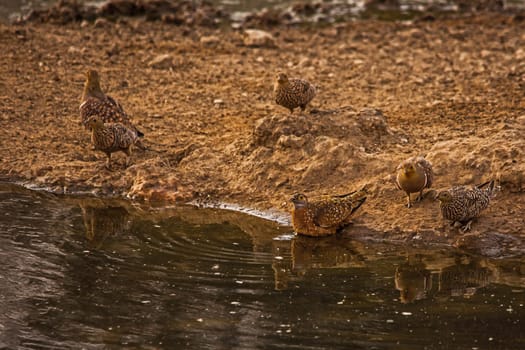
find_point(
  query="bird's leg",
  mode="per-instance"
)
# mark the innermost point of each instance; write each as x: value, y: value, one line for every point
x: 409, y: 203
x: 127, y: 152
x: 467, y: 226
x: 420, y: 197
x: 108, y: 162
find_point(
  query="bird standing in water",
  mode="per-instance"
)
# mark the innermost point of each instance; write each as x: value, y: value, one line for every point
x: 95, y: 103
x: 293, y: 93
x: 461, y: 204
x: 414, y: 175
x: 324, y: 217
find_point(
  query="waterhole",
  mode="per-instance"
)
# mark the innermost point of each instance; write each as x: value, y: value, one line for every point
x: 82, y: 272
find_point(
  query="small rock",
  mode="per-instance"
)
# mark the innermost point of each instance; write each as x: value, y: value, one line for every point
x: 101, y: 23
x: 210, y: 40
x: 75, y: 50
x: 218, y: 101
x: 258, y: 38
x: 164, y: 61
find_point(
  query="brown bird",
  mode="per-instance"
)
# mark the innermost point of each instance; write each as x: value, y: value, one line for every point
x: 111, y: 137
x: 326, y: 216
x: 292, y: 93
x: 414, y: 175
x: 95, y: 102
x: 461, y: 204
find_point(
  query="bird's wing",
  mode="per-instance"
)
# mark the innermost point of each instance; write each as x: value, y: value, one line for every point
x: 332, y: 213
x: 115, y: 104
x: 475, y: 201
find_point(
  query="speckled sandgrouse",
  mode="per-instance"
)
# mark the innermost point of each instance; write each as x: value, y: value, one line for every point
x: 461, y: 204
x: 95, y: 102
x: 326, y: 216
x: 414, y: 175
x: 111, y: 137
x: 292, y: 93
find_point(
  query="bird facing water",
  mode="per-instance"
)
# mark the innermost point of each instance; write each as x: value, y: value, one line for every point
x: 293, y: 93
x: 324, y: 217
x: 95, y: 103
x: 414, y: 175
x: 111, y: 137
x: 461, y: 204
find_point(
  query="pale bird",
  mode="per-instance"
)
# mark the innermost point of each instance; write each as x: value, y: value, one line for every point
x: 414, y: 175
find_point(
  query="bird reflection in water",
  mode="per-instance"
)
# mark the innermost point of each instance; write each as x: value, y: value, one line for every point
x: 103, y: 221
x: 413, y: 280
x: 465, y: 277
x: 308, y: 253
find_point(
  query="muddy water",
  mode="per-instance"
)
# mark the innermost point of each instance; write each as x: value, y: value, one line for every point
x: 87, y: 273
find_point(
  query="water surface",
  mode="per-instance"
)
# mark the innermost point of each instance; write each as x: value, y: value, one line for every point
x: 87, y: 273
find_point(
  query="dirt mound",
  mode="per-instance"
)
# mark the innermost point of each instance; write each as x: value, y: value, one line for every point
x: 322, y: 149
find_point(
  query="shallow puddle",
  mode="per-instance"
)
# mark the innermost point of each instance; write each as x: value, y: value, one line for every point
x: 90, y: 273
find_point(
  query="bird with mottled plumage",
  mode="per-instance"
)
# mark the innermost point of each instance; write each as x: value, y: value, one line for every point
x: 111, y: 137
x: 326, y: 216
x: 414, y: 175
x: 293, y: 93
x: 95, y: 103
x: 461, y: 204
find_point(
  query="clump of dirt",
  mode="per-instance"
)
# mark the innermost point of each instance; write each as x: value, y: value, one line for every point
x: 175, y: 12
x: 449, y: 89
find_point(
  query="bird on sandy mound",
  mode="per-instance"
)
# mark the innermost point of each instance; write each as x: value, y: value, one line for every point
x: 292, y: 93
x: 95, y: 103
x: 111, y: 137
x: 326, y: 216
x: 414, y: 175
x: 462, y: 204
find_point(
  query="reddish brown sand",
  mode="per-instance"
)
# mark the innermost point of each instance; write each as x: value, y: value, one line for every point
x: 450, y: 89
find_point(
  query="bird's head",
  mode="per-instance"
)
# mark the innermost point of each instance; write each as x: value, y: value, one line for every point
x: 409, y: 169
x: 95, y: 122
x: 282, y: 79
x: 92, y: 77
x: 299, y: 200
x: 92, y: 84
x: 444, y: 196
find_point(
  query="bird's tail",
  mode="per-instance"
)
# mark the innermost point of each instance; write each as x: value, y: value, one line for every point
x: 140, y: 145
x: 358, y: 203
x: 489, y: 187
x: 358, y: 198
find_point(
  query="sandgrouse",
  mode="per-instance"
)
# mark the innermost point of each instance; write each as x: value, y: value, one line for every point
x: 414, y: 175
x: 292, y: 93
x: 461, y: 204
x: 326, y: 216
x: 95, y: 102
x: 111, y: 137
